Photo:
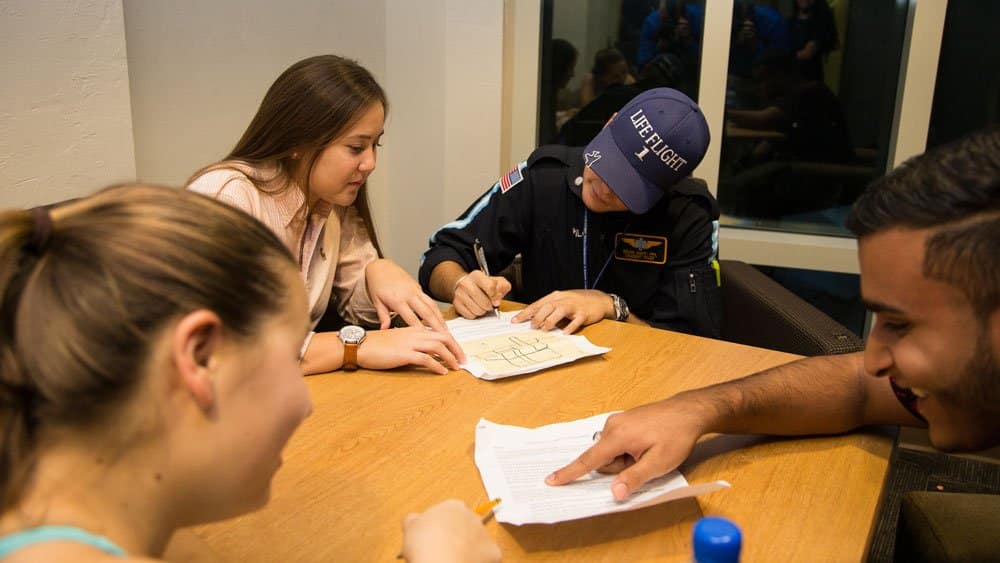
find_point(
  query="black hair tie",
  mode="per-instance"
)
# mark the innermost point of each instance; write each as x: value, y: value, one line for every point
x: 41, y: 230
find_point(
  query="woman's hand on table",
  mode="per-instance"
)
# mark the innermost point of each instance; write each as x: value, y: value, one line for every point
x: 581, y: 306
x: 447, y: 532
x: 392, y: 289
x: 410, y: 346
x: 639, y: 444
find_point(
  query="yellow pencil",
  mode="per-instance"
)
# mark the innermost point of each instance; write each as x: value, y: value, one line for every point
x: 486, y: 509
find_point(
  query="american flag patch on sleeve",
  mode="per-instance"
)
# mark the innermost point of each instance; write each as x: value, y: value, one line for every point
x: 512, y: 178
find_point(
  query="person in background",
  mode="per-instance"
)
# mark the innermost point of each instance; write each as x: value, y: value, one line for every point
x: 674, y: 28
x: 617, y: 230
x: 564, y: 58
x: 631, y: 15
x: 757, y: 28
x: 665, y: 71
x: 558, y: 103
x: 930, y: 272
x: 610, y: 69
x: 813, y: 131
x: 812, y: 34
x: 807, y: 113
x: 150, y: 378
x: 301, y: 167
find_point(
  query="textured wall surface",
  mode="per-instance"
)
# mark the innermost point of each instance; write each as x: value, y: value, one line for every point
x: 65, y: 119
x: 198, y: 70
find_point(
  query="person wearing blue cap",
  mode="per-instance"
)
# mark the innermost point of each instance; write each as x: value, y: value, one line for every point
x: 617, y: 229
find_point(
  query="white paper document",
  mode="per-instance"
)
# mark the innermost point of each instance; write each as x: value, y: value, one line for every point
x: 514, y: 461
x: 497, y: 348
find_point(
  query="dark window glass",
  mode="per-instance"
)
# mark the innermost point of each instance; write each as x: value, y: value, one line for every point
x: 810, y: 99
x: 967, y: 90
x: 598, y: 55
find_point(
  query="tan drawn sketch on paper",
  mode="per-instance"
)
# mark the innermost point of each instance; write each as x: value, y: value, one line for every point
x: 500, y: 354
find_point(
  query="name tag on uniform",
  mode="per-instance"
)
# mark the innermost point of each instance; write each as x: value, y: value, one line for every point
x: 641, y: 248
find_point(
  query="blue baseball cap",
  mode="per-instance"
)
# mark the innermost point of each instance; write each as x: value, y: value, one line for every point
x: 657, y: 139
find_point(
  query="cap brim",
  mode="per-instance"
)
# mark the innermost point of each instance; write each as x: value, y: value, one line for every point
x: 638, y: 194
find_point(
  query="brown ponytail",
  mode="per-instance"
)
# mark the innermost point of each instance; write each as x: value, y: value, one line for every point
x: 17, y: 261
x: 84, y: 295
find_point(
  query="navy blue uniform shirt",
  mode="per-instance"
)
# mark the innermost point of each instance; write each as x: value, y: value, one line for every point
x: 660, y: 262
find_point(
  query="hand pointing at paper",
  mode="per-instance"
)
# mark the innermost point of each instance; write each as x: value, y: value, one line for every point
x: 640, y: 444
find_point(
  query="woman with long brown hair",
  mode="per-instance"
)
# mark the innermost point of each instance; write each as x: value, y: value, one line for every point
x: 301, y: 167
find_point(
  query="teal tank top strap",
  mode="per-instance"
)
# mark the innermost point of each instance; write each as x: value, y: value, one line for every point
x: 19, y: 540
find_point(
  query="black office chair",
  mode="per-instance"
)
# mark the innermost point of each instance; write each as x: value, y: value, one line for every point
x: 758, y: 311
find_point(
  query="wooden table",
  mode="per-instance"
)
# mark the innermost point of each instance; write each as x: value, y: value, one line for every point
x: 382, y: 444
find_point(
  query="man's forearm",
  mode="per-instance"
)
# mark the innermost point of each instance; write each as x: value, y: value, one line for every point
x: 443, y: 279
x: 821, y: 395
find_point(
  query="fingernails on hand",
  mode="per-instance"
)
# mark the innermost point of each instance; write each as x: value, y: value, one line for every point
x: 551, y: 479
x: 620, y: 490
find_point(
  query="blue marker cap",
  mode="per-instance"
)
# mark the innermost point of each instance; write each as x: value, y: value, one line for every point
x: 716, y: 540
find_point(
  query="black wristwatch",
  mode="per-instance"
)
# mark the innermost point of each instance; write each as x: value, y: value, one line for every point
x: 621, y: 308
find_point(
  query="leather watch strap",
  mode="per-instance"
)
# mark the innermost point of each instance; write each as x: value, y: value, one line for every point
x: 350, y: 356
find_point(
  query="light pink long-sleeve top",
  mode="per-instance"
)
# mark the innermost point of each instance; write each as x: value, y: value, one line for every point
x: 332, y: 245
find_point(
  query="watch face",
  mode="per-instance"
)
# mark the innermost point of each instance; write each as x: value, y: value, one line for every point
x: 621, y: 309
x: 352, y: 334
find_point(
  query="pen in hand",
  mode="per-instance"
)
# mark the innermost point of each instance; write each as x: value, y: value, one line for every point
x: 477, y: 248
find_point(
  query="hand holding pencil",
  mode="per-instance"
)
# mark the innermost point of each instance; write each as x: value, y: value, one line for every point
x: 476, y: 293
x: 477, y: 247
x: 449, y: 532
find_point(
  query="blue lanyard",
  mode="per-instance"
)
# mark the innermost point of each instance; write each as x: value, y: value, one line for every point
x: 586, y: 255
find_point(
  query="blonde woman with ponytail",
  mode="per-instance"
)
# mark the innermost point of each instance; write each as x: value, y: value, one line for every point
x: 150, y: 378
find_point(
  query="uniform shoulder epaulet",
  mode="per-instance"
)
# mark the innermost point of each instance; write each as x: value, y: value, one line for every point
x: 692, y: 187
x: 696, y: 187
x: 560, y: 153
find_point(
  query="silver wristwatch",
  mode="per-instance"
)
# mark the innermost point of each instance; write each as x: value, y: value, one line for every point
x: 352, y: 336
x: 621, y: 308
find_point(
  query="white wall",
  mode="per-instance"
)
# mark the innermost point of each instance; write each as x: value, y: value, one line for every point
x: 197, y: 71
x: 65, y: 124
x: 443, y: 76
x: 521, y: 39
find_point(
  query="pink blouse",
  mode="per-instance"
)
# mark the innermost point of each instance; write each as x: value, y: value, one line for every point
x: 332, y: 245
